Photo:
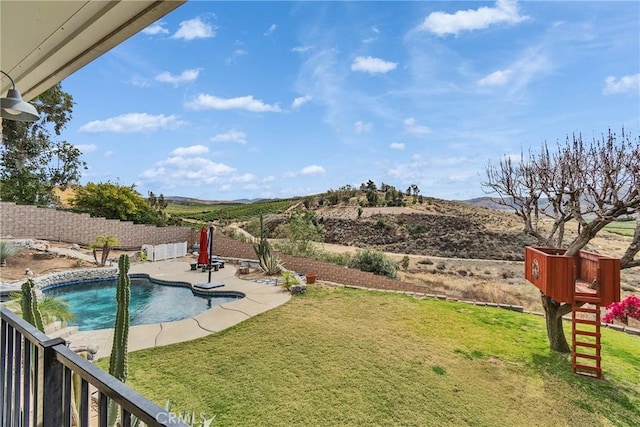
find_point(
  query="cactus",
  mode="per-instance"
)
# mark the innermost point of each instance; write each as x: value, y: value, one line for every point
x: 268, y: 261
x: 30, y: 311
x: 118, y: 359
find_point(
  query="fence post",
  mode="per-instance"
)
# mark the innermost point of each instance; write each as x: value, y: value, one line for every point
x: 50, y: 390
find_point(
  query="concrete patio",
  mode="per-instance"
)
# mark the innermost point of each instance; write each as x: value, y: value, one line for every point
x: 259, y: 297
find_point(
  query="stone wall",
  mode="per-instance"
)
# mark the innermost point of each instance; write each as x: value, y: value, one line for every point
x: 78, y: 275
x: 26, y: 221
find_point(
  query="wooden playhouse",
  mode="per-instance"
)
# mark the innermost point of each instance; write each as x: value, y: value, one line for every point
x: 577, y: 280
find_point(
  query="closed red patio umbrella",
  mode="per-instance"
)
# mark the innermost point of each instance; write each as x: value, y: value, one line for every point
x: 203, y: 255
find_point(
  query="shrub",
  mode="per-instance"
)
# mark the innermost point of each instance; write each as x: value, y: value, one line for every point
x: 381, y: 224
x: 623, y: 310
x: 441, y: 266
x: 425, y: 261
x: 405, y: 262
x: 415, y: 229
x: 343, y: 259
x: 375, y: 262
x: 508, y: 275
x: 7, y: 249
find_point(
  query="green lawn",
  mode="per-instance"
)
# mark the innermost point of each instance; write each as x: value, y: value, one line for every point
x: 340, y: 357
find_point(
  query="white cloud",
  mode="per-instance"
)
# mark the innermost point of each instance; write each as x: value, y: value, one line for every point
x: 194, y: 28
x: 86, y: 148
x: 531, y: 65
x: 271, y: 29
x: 441, y: 23
x: 497, y: 78
x: 231, y: 136
x: 300, y: 49
x: 373, y: 38
x: 154, y: 29
x: 187, y: 76
x: 209, y: 102
x: 188, y: 170
x: 362, y: 127
x: 411, y: 126
x: 372, y: 65
x: 246, y: 177
x: 300, y: 101
x: 138, y: 81
x: 397, y: 146
x: 238, y: 53
x: 626, y: 84
x: 190, y: 151
x: 312, y: 170
x: 133, y: 122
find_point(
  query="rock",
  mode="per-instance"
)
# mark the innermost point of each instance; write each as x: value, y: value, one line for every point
x: 298, y: 289
x: 75, y: 247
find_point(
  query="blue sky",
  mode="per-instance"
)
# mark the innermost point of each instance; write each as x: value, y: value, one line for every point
x: 230, y: 100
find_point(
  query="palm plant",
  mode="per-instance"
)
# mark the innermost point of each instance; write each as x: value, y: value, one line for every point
x: 51, y: 309
x: 105, y: 244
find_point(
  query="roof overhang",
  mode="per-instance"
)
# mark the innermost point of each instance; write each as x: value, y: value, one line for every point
x: 42, y: 42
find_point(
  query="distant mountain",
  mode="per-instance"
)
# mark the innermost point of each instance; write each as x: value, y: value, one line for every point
x: 192, y: 200
x: 487, y: 202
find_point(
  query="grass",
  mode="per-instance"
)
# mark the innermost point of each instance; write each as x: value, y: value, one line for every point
x: 350, y: 358
x: 623, y: 228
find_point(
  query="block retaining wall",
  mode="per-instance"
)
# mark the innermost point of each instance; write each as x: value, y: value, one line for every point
x: 27, y: 221
x: 227, y: 247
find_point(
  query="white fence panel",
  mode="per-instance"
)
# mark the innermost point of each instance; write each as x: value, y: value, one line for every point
x: 165, y: 251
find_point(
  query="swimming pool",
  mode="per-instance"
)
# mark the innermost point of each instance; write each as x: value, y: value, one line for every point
x: 94, y: 304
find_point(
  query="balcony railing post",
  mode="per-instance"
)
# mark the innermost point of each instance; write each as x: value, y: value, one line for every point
x: 51, y: 383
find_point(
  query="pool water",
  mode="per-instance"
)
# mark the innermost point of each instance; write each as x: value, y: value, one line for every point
x: 94, y: 305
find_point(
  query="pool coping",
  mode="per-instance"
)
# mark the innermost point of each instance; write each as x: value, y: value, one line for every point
x: 258, y: 298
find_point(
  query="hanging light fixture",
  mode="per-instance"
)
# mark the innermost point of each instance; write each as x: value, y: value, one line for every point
x: 14, y: 108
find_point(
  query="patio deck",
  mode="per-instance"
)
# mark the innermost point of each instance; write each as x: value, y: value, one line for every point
x: 259, y: 297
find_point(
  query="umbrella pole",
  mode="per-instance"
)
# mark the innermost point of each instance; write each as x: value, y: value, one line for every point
x: 210, y: 249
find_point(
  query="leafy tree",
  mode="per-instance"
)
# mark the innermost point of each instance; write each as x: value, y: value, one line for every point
x: 592, y: 183
x: 302, y: 229
x: 33, y: 164
x: 115, y: 201
x: 332, y: 198
x: 415, y: 190
x: 158, y: 203
x: 393, y: 197
x: 371, y: 192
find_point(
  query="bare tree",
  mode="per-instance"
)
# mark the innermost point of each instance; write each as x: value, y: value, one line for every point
x: 593, y: 183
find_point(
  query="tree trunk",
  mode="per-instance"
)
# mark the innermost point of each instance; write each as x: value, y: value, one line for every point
x: 105, y: 254
x: 553, y: 315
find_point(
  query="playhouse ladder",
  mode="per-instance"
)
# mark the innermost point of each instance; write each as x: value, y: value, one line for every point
x: 585, y: 332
